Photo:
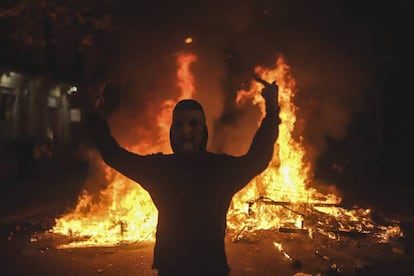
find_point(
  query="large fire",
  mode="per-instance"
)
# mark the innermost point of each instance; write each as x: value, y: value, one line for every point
x: 279, y: 198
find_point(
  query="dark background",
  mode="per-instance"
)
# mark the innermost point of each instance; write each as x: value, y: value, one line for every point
x: 350, y: 58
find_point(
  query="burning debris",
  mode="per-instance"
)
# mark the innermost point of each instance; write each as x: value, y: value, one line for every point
x: 280, y: 199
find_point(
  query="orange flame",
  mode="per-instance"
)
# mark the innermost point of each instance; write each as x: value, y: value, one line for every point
x: 286, y: 180
x: 124, y: 211
x: 280, y: 197
x: 184, y: 75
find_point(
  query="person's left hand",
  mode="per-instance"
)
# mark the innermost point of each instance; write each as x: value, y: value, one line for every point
x: 271, y: 93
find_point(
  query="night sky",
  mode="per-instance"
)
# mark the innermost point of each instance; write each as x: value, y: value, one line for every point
x: 353, y: 58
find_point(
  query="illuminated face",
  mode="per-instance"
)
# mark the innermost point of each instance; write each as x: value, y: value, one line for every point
x: 187, y: 130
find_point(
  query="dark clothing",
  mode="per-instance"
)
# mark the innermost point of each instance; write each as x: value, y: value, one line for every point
x: 192, y: 195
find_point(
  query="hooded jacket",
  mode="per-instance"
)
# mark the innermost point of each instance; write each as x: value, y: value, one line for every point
x: 192, y: 194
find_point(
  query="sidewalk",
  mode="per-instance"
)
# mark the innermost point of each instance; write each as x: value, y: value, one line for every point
x: 49, y: 189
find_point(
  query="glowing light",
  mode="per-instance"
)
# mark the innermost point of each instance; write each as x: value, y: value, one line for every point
x: 72, y: 90
x: 188, y: 40
x: 124, y: 212
x: 279, y: 197
x: 184, y: 75
x: 281, y: 250
x: 11, y: 79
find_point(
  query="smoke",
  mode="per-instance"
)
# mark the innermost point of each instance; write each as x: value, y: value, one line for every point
x: 229, y: 40
x: 332, y: 88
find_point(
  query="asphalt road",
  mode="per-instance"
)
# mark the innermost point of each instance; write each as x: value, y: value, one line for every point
x: 28, y: 210
x: 27, y: 252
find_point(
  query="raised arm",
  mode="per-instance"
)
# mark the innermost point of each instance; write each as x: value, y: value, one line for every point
x: 112, y: 153
x: 261, y: 149
x: 132, y: 165
x: 242, y: 169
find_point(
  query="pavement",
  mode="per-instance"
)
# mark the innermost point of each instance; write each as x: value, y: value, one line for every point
x: 30, y: 205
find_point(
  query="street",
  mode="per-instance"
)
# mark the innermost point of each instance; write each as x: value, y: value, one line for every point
x: 27, y: 247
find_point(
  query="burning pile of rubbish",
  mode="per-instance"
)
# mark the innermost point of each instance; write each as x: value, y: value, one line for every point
x: 281, y: 198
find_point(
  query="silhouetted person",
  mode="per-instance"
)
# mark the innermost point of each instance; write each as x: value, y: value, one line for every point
x: 191, y: 188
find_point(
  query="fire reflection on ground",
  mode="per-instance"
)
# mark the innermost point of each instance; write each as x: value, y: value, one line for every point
x: 264, y: 252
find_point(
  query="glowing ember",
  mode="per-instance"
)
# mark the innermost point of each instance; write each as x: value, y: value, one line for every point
x: 280, y: 248
x: 281, y: 197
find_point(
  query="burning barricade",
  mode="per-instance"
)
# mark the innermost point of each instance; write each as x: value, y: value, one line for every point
x: 281, y: 198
